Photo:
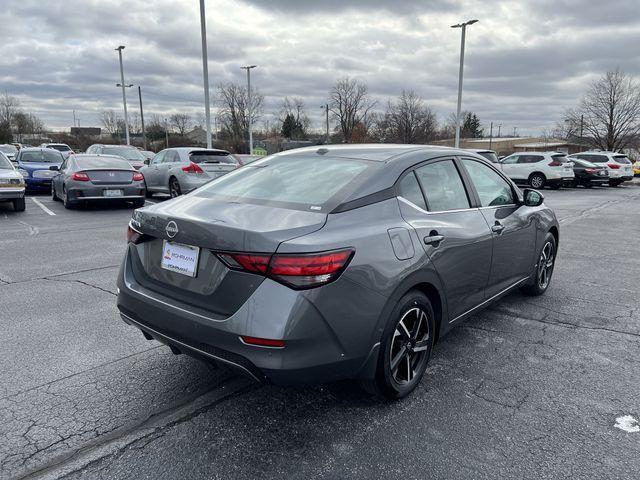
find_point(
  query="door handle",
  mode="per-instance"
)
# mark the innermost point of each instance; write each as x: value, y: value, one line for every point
x: 433, y: 239
x: 497, y: 228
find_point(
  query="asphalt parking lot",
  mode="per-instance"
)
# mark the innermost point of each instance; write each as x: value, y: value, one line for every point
x: 542, y: 387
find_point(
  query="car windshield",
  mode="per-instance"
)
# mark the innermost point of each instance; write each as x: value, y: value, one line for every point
x: 102, y: 162
x: 8, y: 149
x: 43, y: 156
x: 491, y: 156
x: 291, y: 181
x: 622, y: 159
x: 126, y: 153
x: 60, y: 148
x: 5, y: 163
x: 211, y: 157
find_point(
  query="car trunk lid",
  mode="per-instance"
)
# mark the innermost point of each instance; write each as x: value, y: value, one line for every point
x: 110, y: 177
x: 214, y: 164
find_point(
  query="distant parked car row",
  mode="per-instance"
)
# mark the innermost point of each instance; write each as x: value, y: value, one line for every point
x: 555, y: 169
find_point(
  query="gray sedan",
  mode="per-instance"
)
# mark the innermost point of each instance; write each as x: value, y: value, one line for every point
x: 87, y: 178
x: 179, y: 170
x: 345, y: 261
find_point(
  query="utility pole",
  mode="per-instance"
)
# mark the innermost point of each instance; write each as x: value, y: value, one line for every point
x: 144, y: 138
x: 326, y: 112
x: 515, y: 131
x: 166, y: 132
x: 581, y: 126
x: 499, y: 127
x: 490, y: 135
x: 205, y: 73
x: 74, y: 118
x: 124, y: 96
x: 460, y: 74
x: 249, y: 106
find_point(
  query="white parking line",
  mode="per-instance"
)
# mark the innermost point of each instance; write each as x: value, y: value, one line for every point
x: 39, y: 203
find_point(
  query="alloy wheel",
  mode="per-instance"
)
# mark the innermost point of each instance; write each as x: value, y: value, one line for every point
x: 545, y: 265
x: 537, y: 181
x: 174, y: 188
x: 409, y: 345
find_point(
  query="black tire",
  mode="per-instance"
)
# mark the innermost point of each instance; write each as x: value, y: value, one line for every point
x: 68, y: 204
x: 588, y: 185
x: 614, y: 183
x: 411, y: 326
x: 147, y: 193
x: 555, y: 186
x: 54, y: 197
x: 543, y: 269
x: 138, y: 203
x: 174, y: 187
x: 19, y: 205
x: 537, y: 180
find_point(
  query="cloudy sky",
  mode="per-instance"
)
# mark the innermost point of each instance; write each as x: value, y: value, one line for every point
x: 525, y: 62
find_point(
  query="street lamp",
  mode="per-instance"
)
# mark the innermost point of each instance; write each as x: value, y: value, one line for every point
x: 205, y: 73
x: 249, y: 106
x: 124, y: 96
x: 464, y: 30
x: 326, y: 112
x: 144, y: 138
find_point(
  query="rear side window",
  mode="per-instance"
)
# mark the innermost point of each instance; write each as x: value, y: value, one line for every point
x: 442, y: 186
x: 300, y: 182
x: 492, y: 189
x: 530, y: 158
x: 211, y: 157
x: 410, y: 189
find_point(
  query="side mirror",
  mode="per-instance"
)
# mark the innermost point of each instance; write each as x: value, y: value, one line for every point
x: 532, y: 198
x: 147, y: 161
x: 55, y: 168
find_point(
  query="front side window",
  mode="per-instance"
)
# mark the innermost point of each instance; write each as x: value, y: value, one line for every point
x: 410, y: 190
x: 530, y: 158
x: 442, y: 186
x: 5, y: 163
x: 492, y: 189
x: 510, y: 160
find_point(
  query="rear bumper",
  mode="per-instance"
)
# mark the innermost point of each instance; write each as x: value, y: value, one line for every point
x: 93, y: 193
x: 189, y: 183
x: 313, y: 353
x: 38, y: 183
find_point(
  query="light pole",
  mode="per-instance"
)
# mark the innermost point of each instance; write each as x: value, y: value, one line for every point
x: 326, y: 112
x: 490, y: 135
x: 499, y: 127
x: 464, y: 31
x: 205, y: 72
x: 124, y: 96
x: 144, y: 137
x: 249, y: 106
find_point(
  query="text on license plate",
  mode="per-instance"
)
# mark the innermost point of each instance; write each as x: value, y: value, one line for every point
x: 180, y: 258
x: 113, y: 193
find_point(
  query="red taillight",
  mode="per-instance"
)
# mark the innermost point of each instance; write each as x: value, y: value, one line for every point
x: 555, y: 163
x: 262, y: 342
x: 615, y: 166
x: 192, y: 168
x: 295, y: 270
x: 138, y: 177
x: 80, y: 177
x: 591, y: 170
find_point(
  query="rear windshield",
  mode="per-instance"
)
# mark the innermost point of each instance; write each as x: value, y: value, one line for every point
x: 298, y: 182
x: 8, y: 149
x: 60, y: 148
x: 102, y: 162
x: 127, y: 153
x: 584, y: 163
x: 211, y: 157
x: 491, y: 156
x: 44, y: 156
x: 622, y: 159
x: 560, y: 157
x: 5, y: 163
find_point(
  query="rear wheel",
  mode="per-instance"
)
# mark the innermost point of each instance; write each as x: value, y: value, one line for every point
x: 18, y: 204
x: 68, y: 204
x: 614, y: 183
x: 54, y: 197
x: 147, y: 193
x: 405, y: 348
x: 174, y: 187
x: 537, y: 180
x: 541, y: 277
x: 138, y: 203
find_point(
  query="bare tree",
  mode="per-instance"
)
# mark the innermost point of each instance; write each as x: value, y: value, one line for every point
x: 27, y: 124
x: 181, y: 122
x: 350, y: 104
x: 408, y: 120
x: 233, y: 114
x: 9, y: 106
x: 609, y: 113
x: 109, y: 120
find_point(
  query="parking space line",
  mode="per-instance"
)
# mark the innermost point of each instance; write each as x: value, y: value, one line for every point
x: 39, y: 203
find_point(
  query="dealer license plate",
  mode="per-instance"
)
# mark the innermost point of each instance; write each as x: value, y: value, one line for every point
x: 180, y: 258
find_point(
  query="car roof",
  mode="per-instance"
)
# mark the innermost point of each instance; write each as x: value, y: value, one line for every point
x: 200, y: 149
x: 36, y: 149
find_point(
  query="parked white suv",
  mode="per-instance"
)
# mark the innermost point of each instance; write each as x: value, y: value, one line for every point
x: 619, y: 166
x: 538, y: 169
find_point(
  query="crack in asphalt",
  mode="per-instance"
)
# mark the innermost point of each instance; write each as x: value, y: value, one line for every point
x: 81, y: 282
x: 56, y: 275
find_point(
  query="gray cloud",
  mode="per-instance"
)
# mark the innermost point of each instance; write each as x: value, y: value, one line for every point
x: 526, y: 61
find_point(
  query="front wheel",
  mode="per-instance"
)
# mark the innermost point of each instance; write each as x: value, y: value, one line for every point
x: 537, y: 180
x: 18, y: 204
x: 541, y: 277
x: 405, y: 348
x: 614, y: 183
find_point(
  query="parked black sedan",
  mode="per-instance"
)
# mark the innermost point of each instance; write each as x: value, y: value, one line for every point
x: 589, y: 174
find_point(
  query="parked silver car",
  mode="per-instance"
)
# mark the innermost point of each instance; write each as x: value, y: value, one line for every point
x: 344, y: 261
x: 129, y: 153
x: 86, y: 178
x: 179, y: 170
x: 11, y: 184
